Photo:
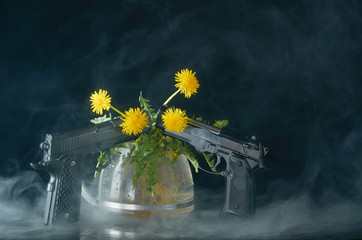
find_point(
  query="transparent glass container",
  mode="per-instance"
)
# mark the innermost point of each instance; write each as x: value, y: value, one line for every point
x: 173, y: 193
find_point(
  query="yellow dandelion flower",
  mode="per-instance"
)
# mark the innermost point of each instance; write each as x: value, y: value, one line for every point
x: 134, y: 120
x: 174, y: 120
x: 100, y: 101
x: 187, y: 82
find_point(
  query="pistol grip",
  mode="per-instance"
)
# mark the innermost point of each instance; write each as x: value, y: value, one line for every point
x: 240, y: 195
x: 64, y: 192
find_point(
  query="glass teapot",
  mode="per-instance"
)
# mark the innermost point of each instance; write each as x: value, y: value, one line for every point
x: 113, y: 189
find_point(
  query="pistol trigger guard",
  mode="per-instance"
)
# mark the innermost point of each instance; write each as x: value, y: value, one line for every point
x: 214, y: 173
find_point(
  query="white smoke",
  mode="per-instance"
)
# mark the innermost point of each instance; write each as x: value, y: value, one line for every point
x: 22, y: 198
x: 291, y: 219
x: 286, y: 69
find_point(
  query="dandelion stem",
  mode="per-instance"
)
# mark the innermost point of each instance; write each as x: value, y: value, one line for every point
x: 115, y: 109
x: 169, y: 99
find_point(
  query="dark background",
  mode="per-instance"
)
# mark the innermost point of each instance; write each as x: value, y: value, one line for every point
x: 287, y: 71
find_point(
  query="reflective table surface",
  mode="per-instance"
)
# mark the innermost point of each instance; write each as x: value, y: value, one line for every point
x: 287, y: 220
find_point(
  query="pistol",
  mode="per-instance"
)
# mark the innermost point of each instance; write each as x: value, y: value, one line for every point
x: 68, y: 158
x: 243, y: 157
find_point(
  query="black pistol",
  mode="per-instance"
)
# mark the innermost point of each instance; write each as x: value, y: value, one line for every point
x: 243, y: 156
x: 68, y: 158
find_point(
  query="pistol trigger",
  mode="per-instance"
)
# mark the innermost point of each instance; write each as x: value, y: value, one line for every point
x: 218, y: 161
x: 107, y: 156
